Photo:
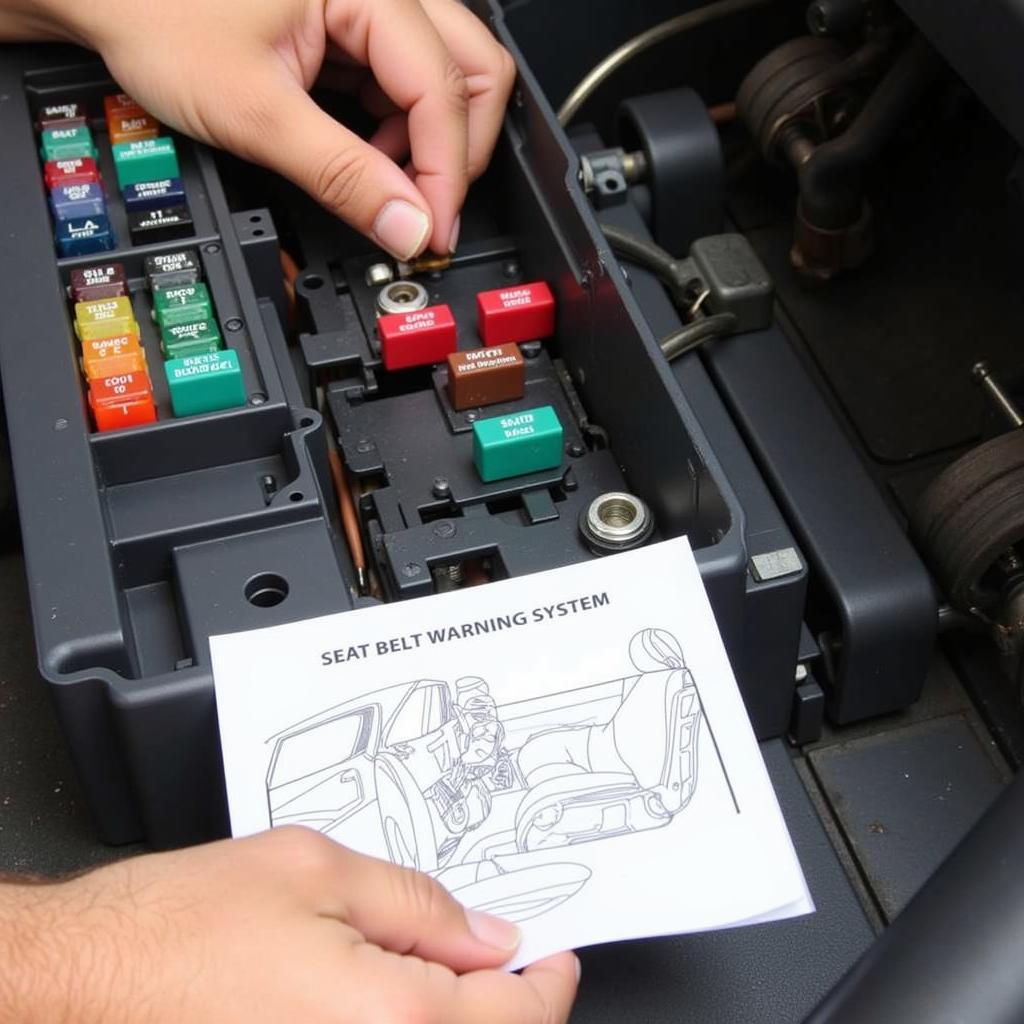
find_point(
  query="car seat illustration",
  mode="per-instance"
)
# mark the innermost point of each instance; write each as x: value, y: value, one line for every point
x: 441, y: 778
x: 632, y: 773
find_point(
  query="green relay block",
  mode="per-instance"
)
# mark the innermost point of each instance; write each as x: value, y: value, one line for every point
x: 179, y: 340
x: 149, y: 160
x: 517, y: 443
x: 182, y: 304
x: 205, y: 383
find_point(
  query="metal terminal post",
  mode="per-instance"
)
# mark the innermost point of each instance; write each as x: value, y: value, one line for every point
x: 402, y: 297
x: 616, y: 521
x: 1000, y: 399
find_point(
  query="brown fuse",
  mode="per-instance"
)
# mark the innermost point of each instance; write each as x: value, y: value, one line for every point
x: 484, y: 376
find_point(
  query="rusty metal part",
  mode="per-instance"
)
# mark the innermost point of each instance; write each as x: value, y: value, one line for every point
x: 424, y: 265
x: 349, y: 516
x: 809, y: 84
x: 821, y: 253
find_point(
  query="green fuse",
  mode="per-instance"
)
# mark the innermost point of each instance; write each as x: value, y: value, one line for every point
x: 149, y: 160
x: 182, y: 304
x: 66, y: 143
x: 516, y: 444
x: 205, y: 383
x: 180, y: 340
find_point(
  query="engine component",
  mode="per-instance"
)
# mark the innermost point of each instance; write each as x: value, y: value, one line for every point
x: 683, y: 160
x: 644, y: 41
x: 799, y: 103
x: 970, y: 518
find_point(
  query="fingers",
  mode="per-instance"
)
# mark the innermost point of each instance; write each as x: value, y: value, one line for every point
x: 409, y: 912
x: 407, y: 988
x: 399, y: 909
x: 277, y: 124
x: 412, y: 65
x: 490, y: 74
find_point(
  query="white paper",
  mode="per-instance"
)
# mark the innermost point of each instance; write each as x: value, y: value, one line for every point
x: 573, y: 754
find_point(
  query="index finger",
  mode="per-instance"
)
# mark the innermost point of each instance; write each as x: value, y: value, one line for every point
x: 407, y: 56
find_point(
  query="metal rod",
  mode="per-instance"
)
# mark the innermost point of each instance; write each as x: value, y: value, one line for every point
x: 644, y: 41
x: 1000, y: 399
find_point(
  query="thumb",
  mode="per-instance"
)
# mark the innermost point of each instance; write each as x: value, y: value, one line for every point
x: 291, y: 135
x: 409, y: 912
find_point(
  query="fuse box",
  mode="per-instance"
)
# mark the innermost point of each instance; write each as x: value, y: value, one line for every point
x: 207, y: 420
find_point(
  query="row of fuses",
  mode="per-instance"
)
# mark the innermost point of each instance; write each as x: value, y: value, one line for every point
x: 517, y: 443
x: 147, y: 172
x: 201, y: 376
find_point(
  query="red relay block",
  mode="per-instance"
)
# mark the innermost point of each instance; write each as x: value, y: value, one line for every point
x: 80, y: 171
x: 417, y: 339
x: 522, y: 312
x: 122, y: 401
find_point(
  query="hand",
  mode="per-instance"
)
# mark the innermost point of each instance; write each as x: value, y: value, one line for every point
x: 235, y: 73
x: 283, y: 926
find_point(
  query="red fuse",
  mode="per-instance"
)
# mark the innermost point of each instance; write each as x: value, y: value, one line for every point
x: 79, y: 171
x: 523, y: 312
x: 417, y: 339
x: 122, y: 401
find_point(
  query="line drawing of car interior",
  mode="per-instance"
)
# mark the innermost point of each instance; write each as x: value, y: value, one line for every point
x: 439, y: 777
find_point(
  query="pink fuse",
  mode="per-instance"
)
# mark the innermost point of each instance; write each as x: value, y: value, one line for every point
x: 417, y: 339
x: 521, y: 312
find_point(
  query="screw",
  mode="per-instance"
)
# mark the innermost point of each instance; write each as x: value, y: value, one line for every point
x: 471, y: 417
x: 233, y: 323
x: 575, y: 450
x: 61, y: 424
x: 441, y: 488
x: 510, y: 268
x: 531, y: 349
x: 212, y: 248
x: 257, y: 398
x: 411, y: 569
x: 444, y: 529
x: 363, y: 446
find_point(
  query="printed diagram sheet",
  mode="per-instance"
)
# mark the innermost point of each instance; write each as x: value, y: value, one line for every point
x: 568, y: 750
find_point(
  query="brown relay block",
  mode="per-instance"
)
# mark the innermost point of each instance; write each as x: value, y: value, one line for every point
x: 484, y: 376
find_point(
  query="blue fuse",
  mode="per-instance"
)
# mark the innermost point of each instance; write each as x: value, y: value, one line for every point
x: 154, y: 195
x: 73, y: 202
x: 84, y: 235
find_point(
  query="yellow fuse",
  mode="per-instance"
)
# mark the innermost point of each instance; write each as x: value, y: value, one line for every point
x: 104, y: 318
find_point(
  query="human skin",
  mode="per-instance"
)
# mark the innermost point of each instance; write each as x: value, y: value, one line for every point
x: 288, y: 924
x: 285, y: 925
x: 236, y: 74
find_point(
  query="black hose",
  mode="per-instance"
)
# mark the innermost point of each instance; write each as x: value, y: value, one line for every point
x: 647, y: 254
x: 690, y: 336
x: 831, y: 194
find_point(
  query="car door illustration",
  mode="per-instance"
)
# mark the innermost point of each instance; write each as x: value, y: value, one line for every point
x: 321, y: 774
x: 424, y: 734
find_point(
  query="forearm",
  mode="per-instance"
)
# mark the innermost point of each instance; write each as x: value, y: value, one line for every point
x: 40, y: 20
x: 45, y: 946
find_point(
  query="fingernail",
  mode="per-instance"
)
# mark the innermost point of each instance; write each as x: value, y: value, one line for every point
x: 492, y: 930
x: 401, y: 228
x: 454, y: 240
